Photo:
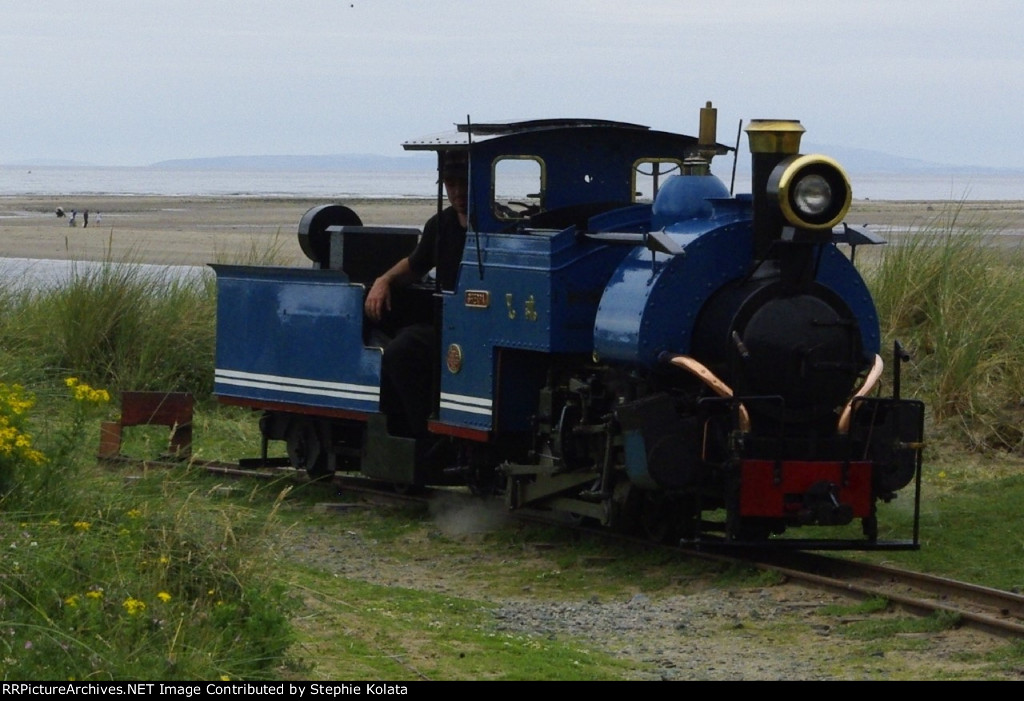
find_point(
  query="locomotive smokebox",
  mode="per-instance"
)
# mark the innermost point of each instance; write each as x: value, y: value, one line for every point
x: 771, y: 141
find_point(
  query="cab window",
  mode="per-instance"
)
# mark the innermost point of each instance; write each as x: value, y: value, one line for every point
x: 517, y: 187
x: 649, y: 174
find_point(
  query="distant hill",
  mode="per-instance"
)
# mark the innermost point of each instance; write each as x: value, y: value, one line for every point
x: 347, y: 162
x: 854, y: 160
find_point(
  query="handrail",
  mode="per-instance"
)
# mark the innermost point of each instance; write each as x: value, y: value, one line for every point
x: 709, y: 378
x: 869, y: 384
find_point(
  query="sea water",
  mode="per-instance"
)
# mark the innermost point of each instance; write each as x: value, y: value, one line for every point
x: 35, y: 274
x: 67, y: 181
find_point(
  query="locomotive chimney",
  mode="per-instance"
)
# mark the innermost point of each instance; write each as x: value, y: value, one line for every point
x: 771, y: 140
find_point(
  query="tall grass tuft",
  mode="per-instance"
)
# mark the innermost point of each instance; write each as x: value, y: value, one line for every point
x: 118, y: 325
x: 260, y: 251
x: 954, y: 294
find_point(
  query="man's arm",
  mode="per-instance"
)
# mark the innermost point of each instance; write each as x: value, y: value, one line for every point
x: 378, y: 300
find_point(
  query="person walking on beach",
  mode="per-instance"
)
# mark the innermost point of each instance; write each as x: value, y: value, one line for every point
x: 407, y: 364
x: 85, y: 219
x: 72, y: 221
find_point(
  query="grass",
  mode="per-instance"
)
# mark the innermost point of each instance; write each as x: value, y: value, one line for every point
x: 954, y: 296
x: 172, y: 575
x: 105, y: 580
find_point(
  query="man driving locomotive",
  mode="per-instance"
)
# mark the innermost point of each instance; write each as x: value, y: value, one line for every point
x: 407, y: 367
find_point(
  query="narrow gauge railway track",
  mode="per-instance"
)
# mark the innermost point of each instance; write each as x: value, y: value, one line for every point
x: 367, y: 488
x: 990, y: 610
x: 993, y: 611
x: 984, y: 608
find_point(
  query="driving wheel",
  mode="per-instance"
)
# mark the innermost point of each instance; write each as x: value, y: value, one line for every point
x: 305, y: 449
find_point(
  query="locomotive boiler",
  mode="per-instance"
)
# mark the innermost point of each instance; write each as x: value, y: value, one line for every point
x: 628, y: 341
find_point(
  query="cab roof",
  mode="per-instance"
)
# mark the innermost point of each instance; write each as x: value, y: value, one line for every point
x: 465, y: 134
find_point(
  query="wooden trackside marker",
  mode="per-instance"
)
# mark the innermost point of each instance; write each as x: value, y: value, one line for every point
x: 171, y: 409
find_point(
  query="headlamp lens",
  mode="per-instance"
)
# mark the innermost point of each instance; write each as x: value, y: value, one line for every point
x: 812, y: 195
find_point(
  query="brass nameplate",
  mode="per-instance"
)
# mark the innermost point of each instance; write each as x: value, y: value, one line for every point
x: 478, y: 299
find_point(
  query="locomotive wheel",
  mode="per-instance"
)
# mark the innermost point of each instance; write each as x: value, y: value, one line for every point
x: 869, y: 526
x: 305, y: 449
x: 406, y: 489
x: 657, y: 518
x: 750, y: 530
x: 484, y: 481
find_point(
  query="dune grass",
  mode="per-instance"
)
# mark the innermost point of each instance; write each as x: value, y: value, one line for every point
x: 953, y: 293
x: 116, y: 325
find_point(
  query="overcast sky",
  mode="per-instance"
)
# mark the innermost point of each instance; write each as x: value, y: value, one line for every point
x: 116, y: 82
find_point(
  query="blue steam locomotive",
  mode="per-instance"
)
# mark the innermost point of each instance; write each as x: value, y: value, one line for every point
x: 628, y: 341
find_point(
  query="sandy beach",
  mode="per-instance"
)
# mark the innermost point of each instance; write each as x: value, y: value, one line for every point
x: 201, y: 230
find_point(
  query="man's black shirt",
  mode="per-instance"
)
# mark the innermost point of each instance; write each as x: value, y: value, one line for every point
x: 449, y: 239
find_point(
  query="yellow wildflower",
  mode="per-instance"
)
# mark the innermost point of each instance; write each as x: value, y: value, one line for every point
x: 133, y: 606
x: 82, y: 525
x: 84, y: 393
x: 164, y: 596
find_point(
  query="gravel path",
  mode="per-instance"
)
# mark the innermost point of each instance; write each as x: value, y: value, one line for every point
x: 690, y: 630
